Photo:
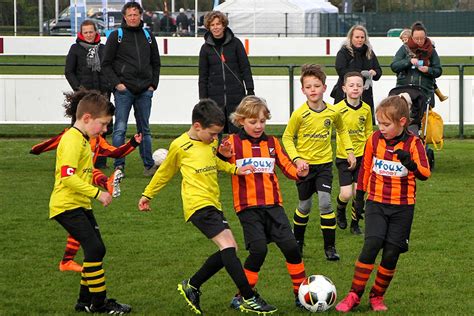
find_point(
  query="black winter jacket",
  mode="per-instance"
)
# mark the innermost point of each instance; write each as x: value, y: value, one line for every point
x: 133, y: 62
x: 345, y: 63
x: 79, y: 75
x: 223, y: 71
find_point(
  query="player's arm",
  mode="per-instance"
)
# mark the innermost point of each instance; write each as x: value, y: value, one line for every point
x: 108, y: 150
x: 415, y: 160
x: 233, y: 169
x: 48, y: 144
x: 345, y: 139
x: 289, y: 136
x: 369, y: 129
x: 285, y: 164
x: 365, y: 167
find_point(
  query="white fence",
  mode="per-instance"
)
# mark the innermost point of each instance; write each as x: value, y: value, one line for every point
x: 38, y: 99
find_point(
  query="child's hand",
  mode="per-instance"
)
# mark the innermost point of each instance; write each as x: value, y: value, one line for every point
x: 138, y: 137
x: 351, y: 159
x: 105, y: 198
x: 225, y: 148
x: 405, y: 159
x: 359, y: 206
x: 248, y: 169
x: 302, y: 173
x: 301, y: 165
x: 144, y: 204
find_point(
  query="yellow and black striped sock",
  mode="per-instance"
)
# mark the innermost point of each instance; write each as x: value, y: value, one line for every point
x: 300, y: 221
x: 328, y: 228
x: 94, y: 277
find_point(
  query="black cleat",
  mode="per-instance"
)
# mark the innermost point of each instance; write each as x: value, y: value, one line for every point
x: 341, y: 219
x: 191, y: 295
x: 81, y: 307
x: 331, y: 253
x: 298, y: 304
x: 111, y: 306
x: 236, y: 301
x: 257, y: 305
x: 355, y: 229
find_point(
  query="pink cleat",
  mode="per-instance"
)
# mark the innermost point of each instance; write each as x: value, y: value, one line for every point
x: 348, y: 303
x: 377, y: 304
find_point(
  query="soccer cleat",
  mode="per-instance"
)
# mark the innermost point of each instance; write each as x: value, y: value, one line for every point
x: 236, y: 301
x: 348, y: 303
x: 377, y: 304
x: 191, y: 295
x: 298, y: 303
x: 300, y: 246
x: 81, y: 307
x: 113, y: 184
x: 70, y: 265
x: 121, y: 168
x: 111, y: 306
x: 341, y: 219
x: 256, y: 304
x: 331, y: 253
x: 150, y: 172
x: 355, y: 229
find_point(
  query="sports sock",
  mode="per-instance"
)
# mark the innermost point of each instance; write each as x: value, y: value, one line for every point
x: 252, y: 277
x: 362, y: 273
x: 234, y: 269
x: 328, y: 228
x: 341, y: 205
x: 297, y: 274
x: 300, y: 221
x: 354, y: 215
x: 72, y: 247
x: 99, y: 179
x: 382, y: 281
x: 94, y: 277
x: 212, y: 265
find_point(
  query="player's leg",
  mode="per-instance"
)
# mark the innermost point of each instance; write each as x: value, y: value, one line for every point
x: 355, y: 228
x: 123, y: 105
x: 305, y: 188
x: 345, y: 192
x: 68, y: 263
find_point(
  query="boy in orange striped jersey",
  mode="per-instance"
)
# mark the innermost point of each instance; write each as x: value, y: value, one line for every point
x: 393, y: 159
x: 257, y: 197
x: 100, y: 148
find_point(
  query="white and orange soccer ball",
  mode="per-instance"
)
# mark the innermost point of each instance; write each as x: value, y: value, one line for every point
x: 159, y: 155
x: 317, y: 293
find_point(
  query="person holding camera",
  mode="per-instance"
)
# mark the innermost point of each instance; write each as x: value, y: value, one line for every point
x: 417, y: 62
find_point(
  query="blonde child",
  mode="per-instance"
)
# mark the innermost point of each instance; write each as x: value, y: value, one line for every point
x: 357, y: 118
x: 307, y: 139
x: 393, y: 159
x: 257, y: 196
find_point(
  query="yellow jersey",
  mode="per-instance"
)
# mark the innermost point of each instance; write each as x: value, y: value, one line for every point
x: 198, y: 165
x: 308, y: 134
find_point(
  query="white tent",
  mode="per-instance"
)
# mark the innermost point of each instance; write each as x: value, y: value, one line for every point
x: 275, y: 17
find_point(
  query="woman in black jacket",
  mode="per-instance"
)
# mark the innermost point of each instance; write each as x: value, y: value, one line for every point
x: 83, y: 68
x: 356, y: 54
x: 224, y: 69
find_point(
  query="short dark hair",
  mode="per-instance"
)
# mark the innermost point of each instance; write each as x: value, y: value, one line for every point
x: 208, y: 113
x: 88, y: 22
x: 418, y: 26
x: 129, y: 5
x: 312, y: 70
x: 353, y: 74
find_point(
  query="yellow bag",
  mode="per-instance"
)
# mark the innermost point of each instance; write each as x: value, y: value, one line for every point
x: 434, y: 131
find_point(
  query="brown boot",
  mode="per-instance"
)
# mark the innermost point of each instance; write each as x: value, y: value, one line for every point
x: 440, y: 95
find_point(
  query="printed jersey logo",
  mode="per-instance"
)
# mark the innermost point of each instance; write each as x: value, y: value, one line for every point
x: 389, y: 168
x: 262, y: 165
x: 67, y: 171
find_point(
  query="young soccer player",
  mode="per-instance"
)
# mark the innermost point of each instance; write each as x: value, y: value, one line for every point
x: 100, y: 148
x: 194, y: 154
x: 257, y: 197
x: 393, y: 159
x: 357, y: 118
x: 307, y: 139
x: 70, y: 203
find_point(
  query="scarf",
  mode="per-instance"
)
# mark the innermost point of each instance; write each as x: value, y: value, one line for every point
x: 422, y: 53
x: 92, y: 58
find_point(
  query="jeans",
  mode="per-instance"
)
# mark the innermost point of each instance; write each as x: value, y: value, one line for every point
x: 142, y: 108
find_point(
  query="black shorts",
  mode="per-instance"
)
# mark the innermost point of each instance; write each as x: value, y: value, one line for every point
x: 210, y: 221
x: 267, y: 223
x: 389, y: 222
x: 346, y: 176
x: 319, y: 178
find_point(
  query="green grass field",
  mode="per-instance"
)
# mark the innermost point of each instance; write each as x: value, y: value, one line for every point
x: 149, y: 253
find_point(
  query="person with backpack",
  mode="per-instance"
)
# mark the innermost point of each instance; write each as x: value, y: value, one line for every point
x: 132, y: 65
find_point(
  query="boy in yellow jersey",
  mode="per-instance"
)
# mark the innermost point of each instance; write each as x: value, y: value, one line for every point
x: 194, y: 155
x: 357, y: 117
x: 70, y: 203
x: 307, y: 139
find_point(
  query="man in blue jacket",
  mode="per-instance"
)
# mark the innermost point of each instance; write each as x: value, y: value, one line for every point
x: 132, y: 65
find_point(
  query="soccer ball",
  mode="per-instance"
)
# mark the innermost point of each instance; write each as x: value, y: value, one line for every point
x: 317, y: 293
x: 159, y: 156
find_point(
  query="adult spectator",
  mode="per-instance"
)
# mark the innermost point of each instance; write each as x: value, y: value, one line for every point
x: 148, y: 20
x: 182, y: 22
x: 83, y: 69
x: 167, y: 24
x: 132, y: 64
x: 417, y: 62
x: 356, y: 54
x: 224, y: 69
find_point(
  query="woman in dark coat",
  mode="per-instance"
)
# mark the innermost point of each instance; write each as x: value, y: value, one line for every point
x: 83, y: 68
x: 224, y: 69
x: 356, y: 54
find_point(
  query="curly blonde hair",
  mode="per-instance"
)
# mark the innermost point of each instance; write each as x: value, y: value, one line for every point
x: 215, y: 14
x: 250, y: 107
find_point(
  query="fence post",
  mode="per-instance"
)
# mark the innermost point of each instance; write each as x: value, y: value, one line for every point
x: 286, y: 24
x: 461, y: 101
x: 291, y: 71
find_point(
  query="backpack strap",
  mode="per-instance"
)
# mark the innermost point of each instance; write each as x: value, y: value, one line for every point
x: 120, y: 35
x: 147, y: 35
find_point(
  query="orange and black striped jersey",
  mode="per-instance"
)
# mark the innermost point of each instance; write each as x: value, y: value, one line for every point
x: 99, y: 147
x: 383, y: 176
x: 260, y: 188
